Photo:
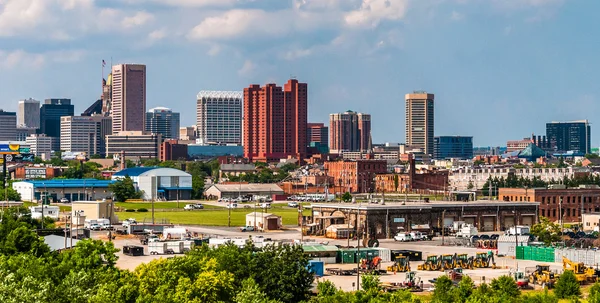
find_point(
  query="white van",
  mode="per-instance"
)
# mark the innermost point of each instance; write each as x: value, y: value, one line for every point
x: 403, y: 237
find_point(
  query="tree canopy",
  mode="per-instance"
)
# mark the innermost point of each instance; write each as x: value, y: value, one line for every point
x: 124, y: 189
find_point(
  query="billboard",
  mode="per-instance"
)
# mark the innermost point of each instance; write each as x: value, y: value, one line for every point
x: 9, y: 149
x: 35, y: 173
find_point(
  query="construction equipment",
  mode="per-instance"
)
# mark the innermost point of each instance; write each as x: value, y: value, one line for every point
x: 455, y: 274
x: 448, y: 262
x: 433, y: 262
x: 411, y: 283
x: 584, y: 274
x: 543, y: 276
x: 402, y: 264
x: 464, y: 261
x: 371, y: 265
x: 520, y: 278
x: 484, y: 260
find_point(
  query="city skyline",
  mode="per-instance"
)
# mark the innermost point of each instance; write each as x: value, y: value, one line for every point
x: 490, y: 81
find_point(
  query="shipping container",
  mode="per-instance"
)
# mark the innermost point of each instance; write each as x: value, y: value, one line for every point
x: 385, y: 254
x: 317, y: 268
x: 521, y: 252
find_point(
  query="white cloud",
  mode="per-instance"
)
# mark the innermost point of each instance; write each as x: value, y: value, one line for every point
x: 140, y: 18
x: 456, y: 16
x: 372, y: 12
x: 23, y: 59
x: 158, y: 34
x: 186, y: 3
x: 247, y: 69
x: 235, y: 23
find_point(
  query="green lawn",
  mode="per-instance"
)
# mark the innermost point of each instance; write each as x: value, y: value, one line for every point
x: 212, y: 217
x: 158, y: 205
x: 63, y: 208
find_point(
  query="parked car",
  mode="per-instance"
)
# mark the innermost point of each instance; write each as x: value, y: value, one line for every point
x: 265, y: 205
x: 189, y: 207
x: 232, y: 205
x: 95, y: 226
x: 293, y: 204
x: 64, y: 200
x: 246, y: 228
x: 198, y: 206
x: 403, y: 237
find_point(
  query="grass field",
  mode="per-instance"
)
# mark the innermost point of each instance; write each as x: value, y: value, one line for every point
x: 158, y: 205
x: 210, y: 216
x: 63, y: 208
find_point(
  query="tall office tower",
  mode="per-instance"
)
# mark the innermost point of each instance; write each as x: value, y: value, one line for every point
x: 29, y: 113
x: 8, y: 126
x: 219, y: 117
x: 349, y: 131
x: 570, y: 136
x: 128, y: 97
x: 420, y: 121
x: 317, y: 132
x: 50, y: 114
x: 275, y: 123
x: 85, y: 134
x: 162, y: 120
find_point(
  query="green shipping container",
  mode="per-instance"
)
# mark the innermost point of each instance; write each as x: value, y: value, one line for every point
x: 527, y: 253
x: 520, y: 252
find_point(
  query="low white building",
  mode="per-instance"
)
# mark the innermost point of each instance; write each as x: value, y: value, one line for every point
x: 236, y: 190
x: 263, y: 221
x: 159, y: 183
x: 50, y: 211
x: 93, y: 210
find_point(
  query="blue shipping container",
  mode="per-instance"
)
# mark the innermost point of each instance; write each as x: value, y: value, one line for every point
x: 317, y: 268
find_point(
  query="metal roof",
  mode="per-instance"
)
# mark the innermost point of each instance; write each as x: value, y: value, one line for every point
x: 422, y: 205
x: 58, y: 242
x: 69, y: 183
x: 252, y: 187
x: 317, y: 248
x: 134, y: 171
x: 151, y: 171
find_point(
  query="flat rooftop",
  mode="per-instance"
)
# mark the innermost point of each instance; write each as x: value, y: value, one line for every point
x: 423, y: 205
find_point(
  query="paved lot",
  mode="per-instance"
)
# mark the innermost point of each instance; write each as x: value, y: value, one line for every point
x: 345, y: 282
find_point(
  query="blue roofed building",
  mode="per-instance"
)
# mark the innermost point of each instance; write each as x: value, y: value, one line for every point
x: 159, y: 183
x: 57, y: 189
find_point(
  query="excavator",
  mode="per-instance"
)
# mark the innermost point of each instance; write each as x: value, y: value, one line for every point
x: 520, y: 278
x: 433, y: 262
x: 464, y: 261
x: 402, y: 264
x: 484, y: 260
x: 584, y: 274
x: 543, y: 276
x: 411, y: 283
x: 371, y: 266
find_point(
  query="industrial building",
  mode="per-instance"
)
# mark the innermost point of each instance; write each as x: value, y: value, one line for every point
x: 236, y: 190
x: 159, y: 183
x: 56, y: 189
x: 93, y: 210
x: 263, y: 221
x: 384, y: 221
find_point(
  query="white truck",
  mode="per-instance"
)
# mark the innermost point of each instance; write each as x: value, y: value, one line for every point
x: 97, y: 224
x: 403, y: 237
x: 466, y: 231
x: 521, y: 230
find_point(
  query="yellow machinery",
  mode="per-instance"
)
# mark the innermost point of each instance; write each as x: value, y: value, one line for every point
x: 402, y: 264
x: 464, y: 261
x: 484, y: 260
x: 543, y: 276
x: 584, y: 274
x: 448, y: 262
x: 433, y: 262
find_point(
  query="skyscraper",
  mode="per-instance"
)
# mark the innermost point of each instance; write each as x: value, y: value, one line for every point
x: 219, y: 117
x: 459, y: 147
x: 570, y: 136
x: 50, y: 114
x: 85, y: 134
x: 162, y: 120
x: 29, y: 113
x: 317, y: 132
x: 275, y: 121
x: 8, y: 126
x: 420, y: 121
x: 128, y: 101
x: 349, y: 131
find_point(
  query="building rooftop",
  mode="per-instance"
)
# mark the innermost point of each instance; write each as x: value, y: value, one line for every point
x: 237, y: 167
x: 58, y: 242
x: 420, y: 204
x: 263, y: 215
x: 248, y: 187
x: 66, y: 183
x: 220, y: 94
x: 151, y: 171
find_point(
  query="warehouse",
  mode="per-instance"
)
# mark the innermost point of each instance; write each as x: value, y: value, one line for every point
x: 236, y: 190
x: 56, y: 189
x: 93, y: 210
x: 159, y: 183
x: 384, y: 221
x: 263, y: 221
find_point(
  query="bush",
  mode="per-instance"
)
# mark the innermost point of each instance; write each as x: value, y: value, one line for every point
x: 567, y: 286
x: 130, y: 210
x: 594, y: 296
x: 142, y: 210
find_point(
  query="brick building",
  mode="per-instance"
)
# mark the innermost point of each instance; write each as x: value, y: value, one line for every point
x: 575, y: 201
x: 171, y: 150
x: 275, y: 121
x: 355, y: 176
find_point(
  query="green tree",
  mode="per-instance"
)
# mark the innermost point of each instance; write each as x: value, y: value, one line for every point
x: 544, y: 297
x: 396, y: 182
x: 470, y: 185
x: 346, y: 197
x: 594, y: 296
x: 592, y: 156
x: 326, y: 289
x: 24, y: 240
x: 567, y: 286
x: 13, y: 195
x: 483, y: 294
x: 370, y: 283
x: 505, y: 287
x: 123, y: 189
x: 464, y: 289
x: 251, y: 293
x: 546, y: 231
x: 443, y: 291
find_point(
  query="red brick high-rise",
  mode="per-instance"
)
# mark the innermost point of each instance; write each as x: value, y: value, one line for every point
x: 275, y: 121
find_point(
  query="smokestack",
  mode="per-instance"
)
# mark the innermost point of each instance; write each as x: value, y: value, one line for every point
x: 123, y: 163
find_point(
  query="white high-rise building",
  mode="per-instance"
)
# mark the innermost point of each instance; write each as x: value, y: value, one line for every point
x: 40, y: 145
x: 85, y: 134
x: 219, y: 117
x: 29, y: 113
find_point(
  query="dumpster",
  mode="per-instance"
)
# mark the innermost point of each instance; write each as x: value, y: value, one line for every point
x: 317, y: 268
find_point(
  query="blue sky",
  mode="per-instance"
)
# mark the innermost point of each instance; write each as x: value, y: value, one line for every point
x: 500, y: 69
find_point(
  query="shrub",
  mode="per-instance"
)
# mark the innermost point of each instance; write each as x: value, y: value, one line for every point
x: 130, y: 210
x: 142, y: 210
x: 567, y: 286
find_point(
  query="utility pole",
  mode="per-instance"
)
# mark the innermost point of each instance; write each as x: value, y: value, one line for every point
x: 358, y: 247
x: 348, y: 227
x: 443, y: 227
